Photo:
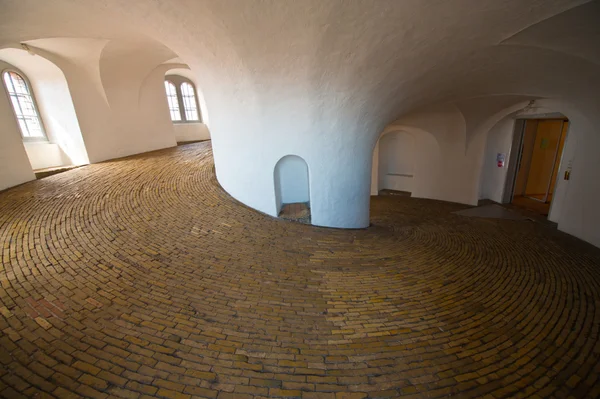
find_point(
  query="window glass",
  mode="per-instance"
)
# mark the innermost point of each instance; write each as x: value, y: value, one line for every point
x: 173, y: 102
x: 189, y: 102
x: 23, y: 105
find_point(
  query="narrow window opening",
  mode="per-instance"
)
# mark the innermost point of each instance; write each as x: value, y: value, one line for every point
x: 173, y: 101
x: 24, y: 106
x: 189, y: 102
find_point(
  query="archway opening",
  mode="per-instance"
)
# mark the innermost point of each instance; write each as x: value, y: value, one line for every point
x: 292, y: 189
x: 524, y: 164
x: 397, y: 163
x: 540, y: 145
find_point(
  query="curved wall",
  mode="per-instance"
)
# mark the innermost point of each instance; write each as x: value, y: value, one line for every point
x: 135, y: 92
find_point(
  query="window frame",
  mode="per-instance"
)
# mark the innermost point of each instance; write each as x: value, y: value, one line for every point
x: 169, y: 81
x: 36, y: 107
x: 177, y: 81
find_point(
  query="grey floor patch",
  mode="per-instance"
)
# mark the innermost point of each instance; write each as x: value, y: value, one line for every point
x: 491, y: 211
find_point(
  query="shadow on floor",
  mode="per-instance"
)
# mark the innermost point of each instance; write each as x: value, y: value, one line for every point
x: 297, y: 212
x: 527, y: 212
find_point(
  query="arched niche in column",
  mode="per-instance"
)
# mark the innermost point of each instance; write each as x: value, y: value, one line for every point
x: 292, y: 188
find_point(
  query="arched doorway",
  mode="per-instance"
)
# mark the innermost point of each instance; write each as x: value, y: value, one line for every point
x: 292, y: 192
x: 412, y: 153
x: 528, y: 158
x: 540, y: 148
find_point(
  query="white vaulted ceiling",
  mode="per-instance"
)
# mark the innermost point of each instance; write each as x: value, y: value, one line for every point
x: 379, y: 58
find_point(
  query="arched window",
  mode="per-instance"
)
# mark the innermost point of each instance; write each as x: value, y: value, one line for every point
x: 173, y: 101
x: 183, y: 102
x: 24, y: 106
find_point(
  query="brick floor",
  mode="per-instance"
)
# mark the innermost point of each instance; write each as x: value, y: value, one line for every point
x: 142, y: 278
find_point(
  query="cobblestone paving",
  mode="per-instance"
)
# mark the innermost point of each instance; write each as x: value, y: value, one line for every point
x: 141, y: 277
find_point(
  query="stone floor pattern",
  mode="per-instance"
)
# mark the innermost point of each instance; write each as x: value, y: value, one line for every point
x: 141, y: 277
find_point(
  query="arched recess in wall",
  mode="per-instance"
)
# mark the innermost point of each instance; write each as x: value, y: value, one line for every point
x: 184, y: 70
x: 397, y: 161
x: 292, y: 182
x: 186, y: 130
x: 406, y: 159
x: 64, y: 145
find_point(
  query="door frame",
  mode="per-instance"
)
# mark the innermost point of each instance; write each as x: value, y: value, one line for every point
x: 514, y: 161
x: 560, y: 164
x: 516, y: 156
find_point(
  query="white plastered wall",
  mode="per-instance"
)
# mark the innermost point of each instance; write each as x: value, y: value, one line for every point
x: 135, y: 92
x: 43, y: 155
x: 190, y: 131
x: 493, y: 178
x: 575, y: 206
x: 79, y: 60
x: 65, y: 144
